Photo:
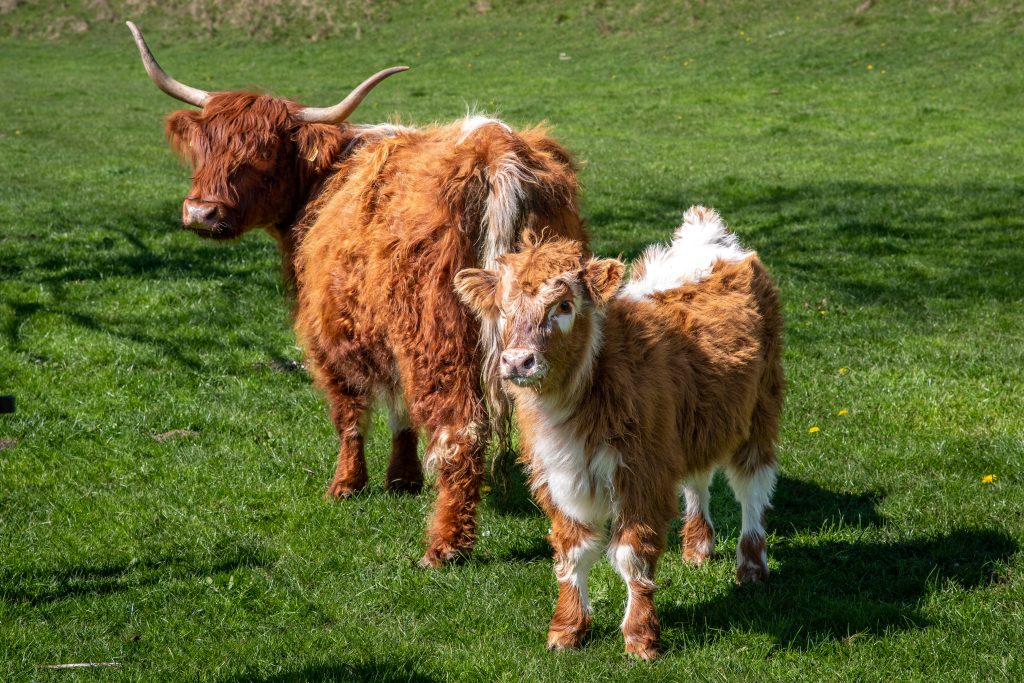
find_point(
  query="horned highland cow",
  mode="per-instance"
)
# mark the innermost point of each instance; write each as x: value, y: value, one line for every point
x: 373, y: 222
x: 624, y: 393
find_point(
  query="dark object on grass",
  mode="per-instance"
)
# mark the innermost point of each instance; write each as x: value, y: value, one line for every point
x: 6, y: 404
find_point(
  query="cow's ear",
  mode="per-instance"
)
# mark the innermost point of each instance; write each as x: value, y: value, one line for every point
x: 180, y: 128
x: 478, y: 290
x: 319, y: 146
x: 602, y: 278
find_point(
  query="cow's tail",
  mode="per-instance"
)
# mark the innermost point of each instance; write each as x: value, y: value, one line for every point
x: 529, y: 181
x: 505, y: 212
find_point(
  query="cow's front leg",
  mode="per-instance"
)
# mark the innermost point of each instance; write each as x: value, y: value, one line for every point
x: 349, y: 411
x: 457, y: 453
x: 576, y: 547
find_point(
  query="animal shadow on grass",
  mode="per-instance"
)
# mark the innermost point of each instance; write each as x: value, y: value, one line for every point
x: 125, y: 253
x: 44, y: 585
x: 841, y: 589
x: 390, y: 671
x: 894, y: 246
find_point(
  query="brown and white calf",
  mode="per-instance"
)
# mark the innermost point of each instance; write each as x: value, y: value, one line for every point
x: 624, y: 394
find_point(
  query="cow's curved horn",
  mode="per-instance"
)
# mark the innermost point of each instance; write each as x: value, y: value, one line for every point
x: 178, y: 91
x: 342, y: 110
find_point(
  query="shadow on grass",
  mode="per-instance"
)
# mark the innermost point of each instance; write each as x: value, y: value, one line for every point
x: 838, y: 590
x: 804, y: 506
x: 39, y: 586
x: 798, y: 506
x: 390, y: 671
x: 873, y: 243
x: 124, y: 252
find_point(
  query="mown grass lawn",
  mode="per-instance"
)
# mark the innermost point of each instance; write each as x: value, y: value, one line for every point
x: 872, y: 155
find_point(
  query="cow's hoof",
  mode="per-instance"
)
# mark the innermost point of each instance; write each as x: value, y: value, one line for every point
x: 435, y: 557
x: 405, y: 486
x: 340, y: 490
x: 697, y: 556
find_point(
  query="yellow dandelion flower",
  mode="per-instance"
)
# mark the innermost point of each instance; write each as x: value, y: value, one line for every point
x: 988, y: 479
x: 870, y: 67
x: 843, y: 371
x: 842, y: 412
x: 485, y: 488
x: 813, y: 430
x: 823, y: 312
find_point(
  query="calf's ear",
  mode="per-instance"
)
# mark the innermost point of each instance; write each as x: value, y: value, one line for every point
x: 477, y: 288
x: 602, y: 278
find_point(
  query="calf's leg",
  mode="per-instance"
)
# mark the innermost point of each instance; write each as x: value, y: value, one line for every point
x: 753, y: 489
x: 698, y: 534
x: 634, y: 551
x: 577, y: 547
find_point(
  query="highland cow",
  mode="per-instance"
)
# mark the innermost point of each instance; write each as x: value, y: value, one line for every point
x: 373, y: 222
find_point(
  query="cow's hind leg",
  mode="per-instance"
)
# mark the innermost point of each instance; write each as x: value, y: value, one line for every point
x: 350, y: 413
x: 698, y: 533
x: 404, y: 475
x: 752, y: 478
x: 456, y: 452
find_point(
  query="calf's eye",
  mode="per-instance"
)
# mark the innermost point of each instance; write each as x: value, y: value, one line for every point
x: 565, y: 307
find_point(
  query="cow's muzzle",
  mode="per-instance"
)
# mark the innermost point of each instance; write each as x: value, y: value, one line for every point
x: 202, y: 217
x: 522, y: 366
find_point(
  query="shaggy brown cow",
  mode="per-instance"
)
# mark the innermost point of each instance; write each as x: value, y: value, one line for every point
x: 621, y: 398
x: 373, y: 223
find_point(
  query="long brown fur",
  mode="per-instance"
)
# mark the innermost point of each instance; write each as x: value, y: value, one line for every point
x: 373, y: 222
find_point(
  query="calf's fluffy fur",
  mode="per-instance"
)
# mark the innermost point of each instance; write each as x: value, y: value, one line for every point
x: 624, y: 396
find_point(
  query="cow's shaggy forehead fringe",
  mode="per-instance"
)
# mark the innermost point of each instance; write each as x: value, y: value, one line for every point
x: 235, y: 125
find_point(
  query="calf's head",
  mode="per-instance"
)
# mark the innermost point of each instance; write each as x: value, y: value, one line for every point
x: 256, y: 158
x: 549, y: 302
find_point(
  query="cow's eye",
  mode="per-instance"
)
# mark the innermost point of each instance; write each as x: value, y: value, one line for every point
x: 565, y: 307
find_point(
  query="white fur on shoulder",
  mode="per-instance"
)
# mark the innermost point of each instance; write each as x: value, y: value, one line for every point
x: 474, y: 121
x: 699, y: 242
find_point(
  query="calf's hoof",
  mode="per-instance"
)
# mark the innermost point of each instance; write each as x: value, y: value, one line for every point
x: 698, y: 540
x: 566, y: 637
x: 438, y: 557
x: 697, y: 556
x: 644, y: 648
x: 751, y: 572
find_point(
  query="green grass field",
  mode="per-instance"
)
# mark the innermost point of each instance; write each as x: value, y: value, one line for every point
x: 872, y: 154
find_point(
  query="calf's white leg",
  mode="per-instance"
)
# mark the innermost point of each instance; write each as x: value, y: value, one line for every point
x: 698, y: 534
x: 753, y: 490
